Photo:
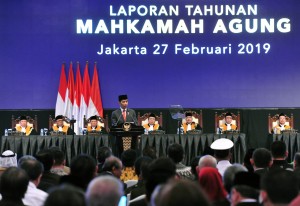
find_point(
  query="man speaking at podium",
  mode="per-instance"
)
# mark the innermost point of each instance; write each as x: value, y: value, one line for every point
x: 119, y: 117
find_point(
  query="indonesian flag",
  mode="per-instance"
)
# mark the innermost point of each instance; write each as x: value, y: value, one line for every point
x: 77, y: 100
x: 95, y: 104
x: 60, y: 101
x: 69, y: 99
x: 85, y: 94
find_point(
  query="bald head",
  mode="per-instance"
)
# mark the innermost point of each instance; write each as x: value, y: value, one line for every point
x: 104, y: 191
x: 207, y: 161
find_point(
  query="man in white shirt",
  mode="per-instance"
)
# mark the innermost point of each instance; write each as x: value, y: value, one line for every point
x: 222, y: 148
x: 33, y: 195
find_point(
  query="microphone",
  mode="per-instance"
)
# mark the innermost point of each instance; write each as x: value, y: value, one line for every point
x: 116, y: 124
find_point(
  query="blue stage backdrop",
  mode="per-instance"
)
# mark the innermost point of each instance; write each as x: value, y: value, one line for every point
x: 200, y: 54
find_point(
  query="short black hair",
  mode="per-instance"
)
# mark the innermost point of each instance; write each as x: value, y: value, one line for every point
x: 141, y: 166
x: 262, y: 158
x: 65, y: 195
x: 150, y: 152
x: 13, y: 184
x: 278, y: 149
x: 58, y: 155
x: 46, y: 158
x: 103, y: 153
x: 83, y: 166
x: 160, y: 170
x: 247, y: 191
x: 175, y: 152
x: 280, y: 185
x: 128, y: 157
x: 194, y: 164
x: 33, y: 168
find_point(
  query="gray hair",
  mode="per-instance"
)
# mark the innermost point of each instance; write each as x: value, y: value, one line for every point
x: 207, y: 161
x: 230, y: 173
x: 104, y: 191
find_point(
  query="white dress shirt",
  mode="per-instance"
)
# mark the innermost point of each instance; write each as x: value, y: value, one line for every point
x: 34, y: 196
x: 222, y: 166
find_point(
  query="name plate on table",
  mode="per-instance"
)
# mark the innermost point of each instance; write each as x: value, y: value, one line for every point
x: 95, y: 133
x: 194, y: 131
x: 16, y: 133
x: 231, y: 132
x: 157, y: 132
x: 290, y: 131
x: 57, y: 133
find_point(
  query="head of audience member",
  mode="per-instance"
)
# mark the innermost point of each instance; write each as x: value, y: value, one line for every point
x: 150, y: 152
x: 194, y: 165
x: 46, y: 158
x: 222, y: 148
x: 103, y: 153
x: 83, y: 168
x: 229, y: 175
x: 59, y: 157
x: 297, y: 161
x: 23, y: 121
x: 13, y: 184
x: 94, y: 121
x: 245, y: 187
x: 188, y: 117
x: 247, y: 162
x: 104, y: 191
x: 141, y: 167
x: 206, y: 161
x: 113, y: 165
x: 211, y: 182
x: 278, y: 187
x: 278, y: 150
x: 160, y: 170
x: 59, y: 120
x: 128, y: 158
x: 261, y: 158
x: 228, y: 118
x: 65, y: 195
x: 8, y: 159
x: 282, y: 119
x: 175, y: 152
x: 151, y: 119
x: 123, y: 101
x: 24, y: 158
x: 34, y: 170
x: 182, y: 192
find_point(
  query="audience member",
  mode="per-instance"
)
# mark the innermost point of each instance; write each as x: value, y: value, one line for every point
x: 65, y: 195
x: 261, y: 161
x: 128, y: 158
x: 222, y: 148
x: 59, y: 165
x: 245, y: 190
x: 142, y: 170
x: 103, y: 153
x: 206, y: 161
x: 211, y: 181
x: 13, y: 186
x: 104, y: 191
x: 229, y: 175
x: 194, y: 165
x: 112, y: 166
x: 83, y: 170
x: 182, y: 192
x: 7, y: 159
x: 279, y: 153
x: 247, y: 162
x: 149, y: 152
x: 278, y: 187
x: 33, y: 195
x: 48, y: 179
x: 176, y: 153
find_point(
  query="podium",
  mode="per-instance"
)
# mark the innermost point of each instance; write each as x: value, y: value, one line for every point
x: 126, y: 136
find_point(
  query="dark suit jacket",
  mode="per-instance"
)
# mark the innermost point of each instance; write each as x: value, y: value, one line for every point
x: 248, y: 204
x: 117, y: 117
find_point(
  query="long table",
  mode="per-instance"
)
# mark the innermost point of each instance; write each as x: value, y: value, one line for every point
x: 292, y: 141
x: 71, y: 145
x: 194, y: 144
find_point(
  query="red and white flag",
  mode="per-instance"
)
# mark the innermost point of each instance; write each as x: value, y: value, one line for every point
x: 85, y: 95
x: 60, y: 101
x: 69, y: 98
x: 95, y: 105
x: 77, y: 101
